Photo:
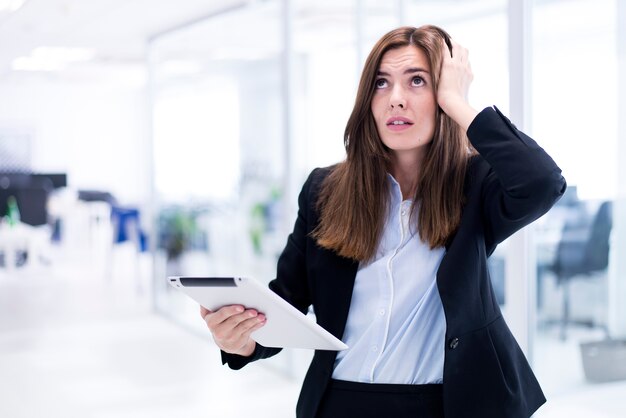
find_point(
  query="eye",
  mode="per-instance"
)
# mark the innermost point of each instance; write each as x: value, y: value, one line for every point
x: 417, y: 81
x: 381, y: 83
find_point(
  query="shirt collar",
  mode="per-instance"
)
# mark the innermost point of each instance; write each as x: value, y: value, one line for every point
x: 395, y: 191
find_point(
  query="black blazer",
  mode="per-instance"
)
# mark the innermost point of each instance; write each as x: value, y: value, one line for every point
x: 510, y: 184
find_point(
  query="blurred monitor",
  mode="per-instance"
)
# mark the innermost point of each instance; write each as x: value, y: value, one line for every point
x: 57, y: 180
x: 31, y: 193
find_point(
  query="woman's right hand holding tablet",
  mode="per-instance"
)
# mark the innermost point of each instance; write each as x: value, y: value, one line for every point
x: 231, y: 327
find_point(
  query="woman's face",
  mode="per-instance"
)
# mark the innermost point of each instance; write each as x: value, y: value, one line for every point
x: 404, y: 101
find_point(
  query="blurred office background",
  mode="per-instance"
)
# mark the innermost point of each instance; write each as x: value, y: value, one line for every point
x: 141, y: 139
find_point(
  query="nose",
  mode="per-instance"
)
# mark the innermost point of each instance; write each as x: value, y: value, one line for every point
x: 397, y: 98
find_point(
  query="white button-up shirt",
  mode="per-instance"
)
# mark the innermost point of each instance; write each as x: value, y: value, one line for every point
x: 396, y: 324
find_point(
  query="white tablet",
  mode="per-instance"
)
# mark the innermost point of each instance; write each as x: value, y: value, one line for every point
x: 285, y: 327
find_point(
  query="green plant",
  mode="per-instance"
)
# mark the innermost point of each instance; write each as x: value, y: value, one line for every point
x: 177, y: 230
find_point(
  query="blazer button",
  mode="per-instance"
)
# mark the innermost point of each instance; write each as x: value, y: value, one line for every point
x: 454, y: 342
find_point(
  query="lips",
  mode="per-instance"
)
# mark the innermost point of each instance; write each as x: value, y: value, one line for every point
x: 399, y: 121
x: 398, y: 124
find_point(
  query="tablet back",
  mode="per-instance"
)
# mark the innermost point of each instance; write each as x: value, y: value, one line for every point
x: 285, y: 326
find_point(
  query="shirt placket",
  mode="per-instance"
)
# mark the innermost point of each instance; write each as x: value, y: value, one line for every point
x: 385, y: 305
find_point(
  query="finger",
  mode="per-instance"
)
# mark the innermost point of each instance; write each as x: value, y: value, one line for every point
x: 455, y: 44
x: 226, y: 329
x: 235, y: 320
x: 229, y: 332
x: 204, y: 311
x: 246, y: 335
x: 456, y: 49
x: 223, y: 314
x: 251, y: 323
x: 447, y: 48
x: 460, y: 52
x: 253, y: 328
x: 235, y: 338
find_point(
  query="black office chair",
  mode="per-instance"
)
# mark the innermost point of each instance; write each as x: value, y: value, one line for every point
x: 582, y: 252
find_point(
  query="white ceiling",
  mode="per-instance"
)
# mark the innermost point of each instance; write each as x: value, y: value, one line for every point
x: 117, y: 29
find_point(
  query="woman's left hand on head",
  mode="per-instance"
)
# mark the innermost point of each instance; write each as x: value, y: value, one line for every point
x: 455, y: 77
x: 454, y: 82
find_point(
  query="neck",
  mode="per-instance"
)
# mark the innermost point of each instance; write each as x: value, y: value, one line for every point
x: 405, y: 168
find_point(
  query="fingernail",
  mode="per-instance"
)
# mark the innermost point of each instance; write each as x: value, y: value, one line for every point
x: 239, y: 308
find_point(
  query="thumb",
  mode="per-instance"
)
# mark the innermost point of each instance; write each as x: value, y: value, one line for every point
x: 204, y: 311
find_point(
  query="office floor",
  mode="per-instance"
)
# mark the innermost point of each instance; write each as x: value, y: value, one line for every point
x: 75, y: 343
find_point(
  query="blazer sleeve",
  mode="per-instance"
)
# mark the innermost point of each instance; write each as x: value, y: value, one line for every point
x: 522, y: 183
x: 291, y: 278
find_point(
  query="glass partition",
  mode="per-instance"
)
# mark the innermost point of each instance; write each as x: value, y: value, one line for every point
x: 575, y: 114
x: 324, y: 40
x: 218, y: 150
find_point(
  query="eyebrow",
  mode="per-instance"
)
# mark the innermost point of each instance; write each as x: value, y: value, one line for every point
x: 411, y: 70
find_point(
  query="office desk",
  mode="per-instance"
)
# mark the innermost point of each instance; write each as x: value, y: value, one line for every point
x: 21, y: 237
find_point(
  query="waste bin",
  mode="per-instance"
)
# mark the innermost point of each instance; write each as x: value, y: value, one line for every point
x: 604, y: 361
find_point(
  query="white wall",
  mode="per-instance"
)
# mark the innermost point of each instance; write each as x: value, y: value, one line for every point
x: 95, y: 129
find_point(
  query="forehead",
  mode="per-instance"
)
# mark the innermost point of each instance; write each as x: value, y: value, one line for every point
x: 403, y: 57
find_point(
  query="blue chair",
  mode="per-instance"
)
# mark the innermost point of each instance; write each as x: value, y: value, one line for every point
x: 127, y: 226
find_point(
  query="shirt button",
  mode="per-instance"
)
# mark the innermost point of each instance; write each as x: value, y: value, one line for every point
x: 381, y: 312
x: 453, y: 343
x: 375, y: 348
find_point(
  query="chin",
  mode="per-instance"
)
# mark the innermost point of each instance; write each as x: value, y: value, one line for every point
x: 400, y: 145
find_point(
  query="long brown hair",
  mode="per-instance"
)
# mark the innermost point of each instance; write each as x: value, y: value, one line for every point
x: 354, y: 198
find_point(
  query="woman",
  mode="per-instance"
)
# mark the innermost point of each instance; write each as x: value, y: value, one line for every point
x: 390, y: 247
